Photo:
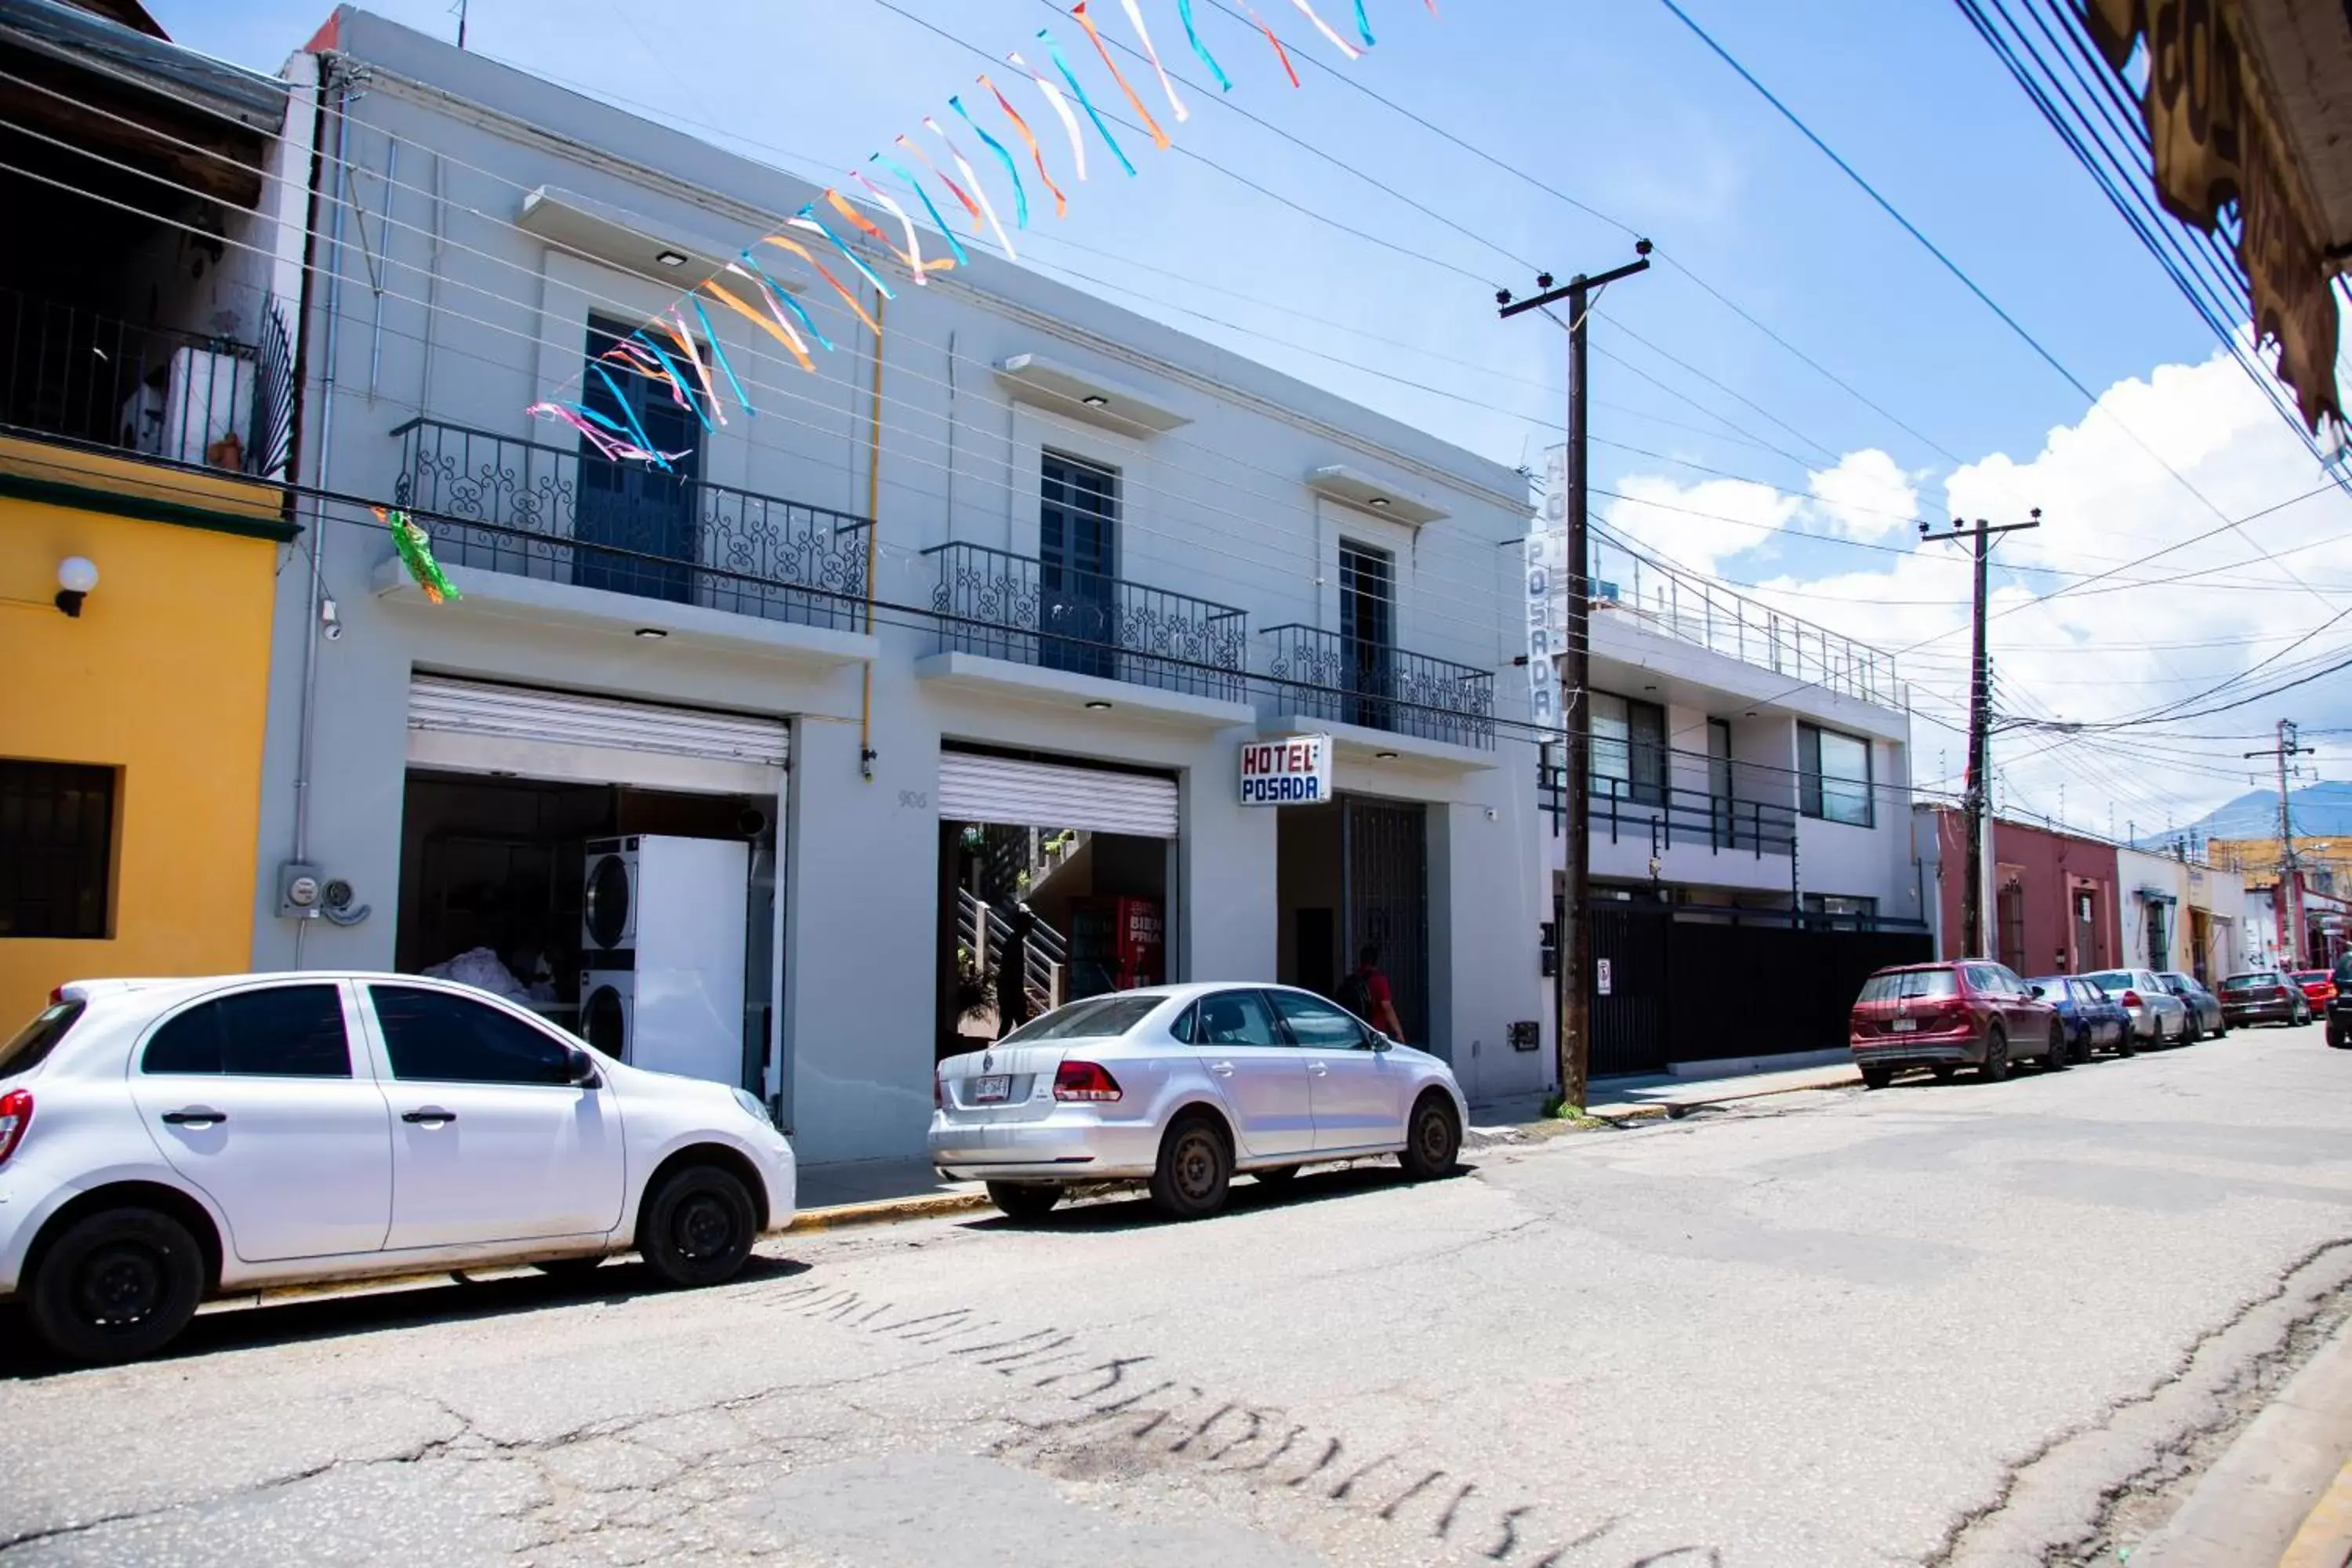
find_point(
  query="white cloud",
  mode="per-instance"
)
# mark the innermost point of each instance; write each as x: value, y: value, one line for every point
x: 2106, y: 650
x: 1866, y: 496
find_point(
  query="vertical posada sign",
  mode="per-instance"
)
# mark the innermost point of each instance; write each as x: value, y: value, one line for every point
x: 1546, y: 591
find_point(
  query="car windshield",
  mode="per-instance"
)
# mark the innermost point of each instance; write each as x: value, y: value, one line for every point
x: 1910, y: 982
x: 36, y: 1039
x: 2053, y: 987
x: 2114, y: 981
x: 2309, y: 976
x: 1096, y: 1018
x: 2249, y: 982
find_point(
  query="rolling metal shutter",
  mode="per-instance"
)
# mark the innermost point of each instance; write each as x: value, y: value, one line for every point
x: 481, y: 726
x: 975, y: 788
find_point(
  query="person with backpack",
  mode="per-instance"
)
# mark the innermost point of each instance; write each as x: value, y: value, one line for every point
x: 1365, y: 993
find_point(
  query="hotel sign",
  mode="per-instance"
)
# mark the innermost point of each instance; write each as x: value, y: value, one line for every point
x: 1293, y: 772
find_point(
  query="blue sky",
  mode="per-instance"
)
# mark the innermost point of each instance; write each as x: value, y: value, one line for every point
x: 1619, y: 106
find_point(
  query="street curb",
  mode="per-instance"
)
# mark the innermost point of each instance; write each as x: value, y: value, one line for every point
x: 2325, y: 1539
x: 1622, y: 1115
x: 884, y: 1211
x: 2275, y: 1480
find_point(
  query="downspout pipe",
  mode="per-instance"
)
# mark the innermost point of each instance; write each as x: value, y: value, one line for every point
x: 872, y: 539
x: 306, y: 739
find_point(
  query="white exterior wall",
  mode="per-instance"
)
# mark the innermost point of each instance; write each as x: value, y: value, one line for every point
x: 1218, y: 509
x: 1764, y: 707
x: 2141, y: 880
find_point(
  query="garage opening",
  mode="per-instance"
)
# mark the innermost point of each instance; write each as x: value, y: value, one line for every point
x: 1054, y: 884
x: 611, y: 864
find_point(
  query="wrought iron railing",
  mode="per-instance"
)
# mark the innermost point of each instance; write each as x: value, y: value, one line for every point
x: 1631, y: 585
x: 1666, y: 815
x: 1328, y: 675
x: 212, y: 401
x: 1016, y: 608
x: 498, y: 504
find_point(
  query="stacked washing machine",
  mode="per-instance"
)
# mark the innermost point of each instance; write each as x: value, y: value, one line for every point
x: 662, y: 936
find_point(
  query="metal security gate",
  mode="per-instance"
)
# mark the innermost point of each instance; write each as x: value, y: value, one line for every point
x: 1629, y: 1023
x: 976, y: 786
x: 1384, y: 850
x: 1685, y: 989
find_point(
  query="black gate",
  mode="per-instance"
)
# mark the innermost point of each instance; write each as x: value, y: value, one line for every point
x: 1684, y: 989
x: 1386, y: 851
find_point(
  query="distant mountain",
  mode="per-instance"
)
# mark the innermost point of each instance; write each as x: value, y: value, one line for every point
x: 2320, y: 811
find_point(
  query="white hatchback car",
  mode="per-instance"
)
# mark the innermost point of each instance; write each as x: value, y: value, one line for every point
x: 165, y: 1140
x: 1187, y: 1085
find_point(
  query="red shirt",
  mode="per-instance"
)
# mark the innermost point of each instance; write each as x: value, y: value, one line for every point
x: 1376, y: 988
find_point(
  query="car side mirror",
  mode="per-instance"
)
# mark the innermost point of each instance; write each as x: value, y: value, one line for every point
x: 1381, y: 1042
x: 582, y: 1068
x: 2039, y: 992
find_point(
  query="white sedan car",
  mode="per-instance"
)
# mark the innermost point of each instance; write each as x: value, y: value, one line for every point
x: 1187, y: 1085
x: 162, y: 1141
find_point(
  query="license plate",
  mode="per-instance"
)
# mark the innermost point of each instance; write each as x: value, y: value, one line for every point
x: 1904, y: 1026
x: 992, y: 1089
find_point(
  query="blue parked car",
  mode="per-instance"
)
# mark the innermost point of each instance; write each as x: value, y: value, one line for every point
x: 2092, y: 1019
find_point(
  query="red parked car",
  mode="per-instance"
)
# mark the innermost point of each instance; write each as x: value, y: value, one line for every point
x: 1943, y: 1017
x: 2318, y: 986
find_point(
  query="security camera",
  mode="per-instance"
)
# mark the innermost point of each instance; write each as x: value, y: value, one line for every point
x: 331, y: 620
x: 335, y: 631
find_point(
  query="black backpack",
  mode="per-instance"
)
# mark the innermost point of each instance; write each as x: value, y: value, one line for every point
x: 1355, y: 995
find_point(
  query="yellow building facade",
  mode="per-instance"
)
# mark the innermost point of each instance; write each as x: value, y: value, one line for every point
x: 130, y: 732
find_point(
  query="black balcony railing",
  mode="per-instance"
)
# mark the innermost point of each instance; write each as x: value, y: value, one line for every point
x: 1326, y: 675
x: 498, y: 504
x: 212, y: 401
x: 1664, y: 816
x: 1015, y: 608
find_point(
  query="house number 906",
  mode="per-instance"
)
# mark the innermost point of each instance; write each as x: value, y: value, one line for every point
x: 915, y: 799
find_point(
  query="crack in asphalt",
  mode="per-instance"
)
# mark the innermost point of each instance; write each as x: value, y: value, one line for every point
x: 2181, y: 1440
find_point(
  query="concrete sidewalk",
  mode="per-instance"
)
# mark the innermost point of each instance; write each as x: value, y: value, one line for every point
x: 1653, y: 1095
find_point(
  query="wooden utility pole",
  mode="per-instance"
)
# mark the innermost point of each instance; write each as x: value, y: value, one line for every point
x: 1575, y: 933
x: 2288, y: 906
x: 1976, y: 799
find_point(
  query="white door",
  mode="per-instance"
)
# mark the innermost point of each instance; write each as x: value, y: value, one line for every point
x: 251, y: 1095
x: 1353, y: 1090
x: 491, y: 1141
x: 1263, y: 1079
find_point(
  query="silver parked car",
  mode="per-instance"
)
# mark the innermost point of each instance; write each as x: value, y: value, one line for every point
x: 1187, y: 1085
x: 2157, y: 1014
x: 2205, y: 1016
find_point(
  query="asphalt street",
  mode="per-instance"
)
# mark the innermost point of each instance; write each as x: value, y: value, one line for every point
x: 1965, y: 1323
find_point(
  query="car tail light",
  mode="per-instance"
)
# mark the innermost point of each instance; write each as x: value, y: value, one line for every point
x: 15, y: 1115
x: 2131, y: 998
x: 1084, y: 1080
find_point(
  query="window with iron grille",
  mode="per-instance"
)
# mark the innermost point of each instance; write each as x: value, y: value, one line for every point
x: 1367, y: 631
x: 56, y: 851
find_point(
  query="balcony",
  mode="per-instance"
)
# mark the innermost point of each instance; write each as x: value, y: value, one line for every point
x: 1632, y: 586
x: 1001, y: 605
x: 1328, y: 676
x: 1664, y: 815
x: 494, y: 503
x: 149, y: 391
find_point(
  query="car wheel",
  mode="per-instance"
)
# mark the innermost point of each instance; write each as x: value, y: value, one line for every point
x: 698, y: 1227
x: 1432, y: 1138
x: 1945, y: 1072
x: 2191, y: 1030
x: 1996, y: 1062
x: 2125, y: 1044
x: 1023, y: 1200
x: 2083, y: 1051
x: 1877, y: 1077
x: 2338, y: 1039
x: 118, y: 1285
x: 2056, y: 1058
x: 1196, y: 1170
